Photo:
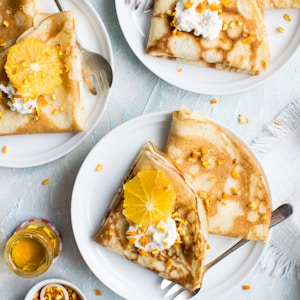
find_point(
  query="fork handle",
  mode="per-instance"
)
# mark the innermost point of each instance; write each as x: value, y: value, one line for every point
x: 278, y: 215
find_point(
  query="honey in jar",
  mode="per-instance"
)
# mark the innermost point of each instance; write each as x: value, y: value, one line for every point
x: 32, y: 248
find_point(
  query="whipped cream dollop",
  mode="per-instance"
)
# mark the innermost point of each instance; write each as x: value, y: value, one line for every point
x: 16, y: 101
x: 158, y: 236
x: 207, y: 23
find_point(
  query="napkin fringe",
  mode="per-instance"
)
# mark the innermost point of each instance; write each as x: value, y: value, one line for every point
x: 277, y: 263
x: 275, y: 260
x: 282, y: 125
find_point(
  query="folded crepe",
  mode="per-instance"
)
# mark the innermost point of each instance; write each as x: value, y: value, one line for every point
x: 282, y: 3
x: 241, y: 46
x: 64, y: 110
x: 182, y: 262
x: 16, y: 16
x: 224, y: 174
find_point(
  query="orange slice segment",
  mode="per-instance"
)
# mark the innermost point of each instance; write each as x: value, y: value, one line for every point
x: 33, y: 67
x: 148, y: 198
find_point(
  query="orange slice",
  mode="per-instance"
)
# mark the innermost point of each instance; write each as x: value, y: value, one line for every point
x: 148, y: 198
x: 33, y: 67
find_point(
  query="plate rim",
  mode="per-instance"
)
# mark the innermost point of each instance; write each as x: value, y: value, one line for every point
x: 156, y: 117
x: 122, y: 9
x: 73, y: 139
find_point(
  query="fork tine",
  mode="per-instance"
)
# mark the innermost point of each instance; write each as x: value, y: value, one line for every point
x: 148, y: 6
x: 174, y: 290
x: 165, y: 283
x: 137, y: 4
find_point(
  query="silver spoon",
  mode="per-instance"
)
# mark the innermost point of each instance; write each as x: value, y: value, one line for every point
x: 180, y: 293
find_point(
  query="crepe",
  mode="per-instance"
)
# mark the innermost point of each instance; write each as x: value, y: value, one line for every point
x: 182, y: 264
x: 64, y: 111
x: 242, y: 45
x: 224, y: 174
x: 16, y: 16
x: 282, y: 3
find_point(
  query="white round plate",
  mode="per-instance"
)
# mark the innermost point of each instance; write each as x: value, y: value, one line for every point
x: 135, y: 25
x: 37, y: 149
x: 93, y: 192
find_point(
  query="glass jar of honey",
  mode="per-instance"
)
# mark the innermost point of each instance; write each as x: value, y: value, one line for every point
x: 32, y: 248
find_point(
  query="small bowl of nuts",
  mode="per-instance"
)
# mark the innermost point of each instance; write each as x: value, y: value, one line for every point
x: 57, y: 289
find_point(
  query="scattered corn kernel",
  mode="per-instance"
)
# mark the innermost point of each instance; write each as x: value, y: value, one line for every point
x: 280, y: 29
x: 99, y: 167
x: 246, y: 287
x: 276, y: 123
x: 287, y: 17
x: 208, y: 246
x: 98, y: 292
x: 179, y: 70
x: 5, y: 149
x: 46, y: 181
x: 213, y: 101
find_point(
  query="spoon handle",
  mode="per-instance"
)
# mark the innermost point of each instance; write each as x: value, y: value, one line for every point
x: 278, y: 215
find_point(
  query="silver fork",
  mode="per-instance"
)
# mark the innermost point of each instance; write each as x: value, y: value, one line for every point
x: 177, y: 292
x: 96, y: 70
x: 146, y: 5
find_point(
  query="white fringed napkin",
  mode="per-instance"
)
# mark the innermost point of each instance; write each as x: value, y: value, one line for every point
x: 279, y: 152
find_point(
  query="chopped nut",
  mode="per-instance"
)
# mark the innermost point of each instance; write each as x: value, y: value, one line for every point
x: 242, y: 119
x: 234, y: 191
x: 2, y: 42
x: 225, y: 196
x: 46, y: 181
x: 5, y: 23
x: 205, y: 163
x: 212, y: 179
x: 235, y: 174
x: 196, y: 154
x: 220, y: 161
x: 203, y: 194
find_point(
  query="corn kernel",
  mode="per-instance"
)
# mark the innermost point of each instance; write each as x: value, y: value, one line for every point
x: 98, y: 292
x: 280, y: 29
x: 246, y: 287
x: 179, y: 70
x: 46, y: 181
x: 5, y: 149
x: 99, y: 167
x: 213, y: 101
x: 287, y: 17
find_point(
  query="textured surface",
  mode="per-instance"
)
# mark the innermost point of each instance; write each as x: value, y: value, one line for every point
x: 136, y: 91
